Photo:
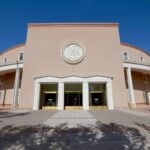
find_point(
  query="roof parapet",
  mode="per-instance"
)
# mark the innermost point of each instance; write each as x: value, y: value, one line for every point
x: 132, y: 46
x: 13, y: 47
x: 86, y: 24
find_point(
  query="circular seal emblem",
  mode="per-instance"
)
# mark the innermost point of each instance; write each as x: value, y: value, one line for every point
x: 73, y: 52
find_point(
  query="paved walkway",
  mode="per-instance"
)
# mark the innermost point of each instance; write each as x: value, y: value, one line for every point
x: 136, y: 112
x: 71, y: 118
x: 73, y: 130
x: 19, y: 118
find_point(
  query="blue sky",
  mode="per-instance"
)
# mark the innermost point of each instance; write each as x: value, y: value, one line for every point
x: 133, y: 16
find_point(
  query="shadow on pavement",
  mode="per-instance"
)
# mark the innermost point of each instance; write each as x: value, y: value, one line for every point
x: 101, y: 136
x: 143, y: 126
x: 7, y: 114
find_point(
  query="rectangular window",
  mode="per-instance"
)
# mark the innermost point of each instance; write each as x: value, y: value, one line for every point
x: 125, y: 56
x: 5, y: 60
x: 1, y: 79
x: 21, y: 56
x: 141, y: 59
x: 146, y: 78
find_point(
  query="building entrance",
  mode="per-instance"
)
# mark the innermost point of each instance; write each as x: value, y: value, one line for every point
x: 97, y: 95
x: 73, y: 99
x: 73, y: 96
x: 50, y: 99
x: 49, y: 96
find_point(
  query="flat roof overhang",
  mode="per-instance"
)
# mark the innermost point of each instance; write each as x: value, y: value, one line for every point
x: 144, y: 68
x: 10, y: 67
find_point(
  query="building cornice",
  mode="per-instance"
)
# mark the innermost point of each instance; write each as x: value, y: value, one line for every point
x: 87, y: 24
x: 67, y: 76
x: 132, y: 46
x: 13, y: 47
x: 11, y: 66
x: 136, y: 66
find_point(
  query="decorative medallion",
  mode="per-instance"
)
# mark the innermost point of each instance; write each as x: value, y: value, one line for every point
x: 73, y: 52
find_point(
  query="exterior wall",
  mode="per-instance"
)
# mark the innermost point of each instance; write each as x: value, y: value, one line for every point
x: 104, y: 55
x: 6, y: 89
x: 140, y: 87
x: 135, y: 53
x: 11, y: 54
x: 45, y: 43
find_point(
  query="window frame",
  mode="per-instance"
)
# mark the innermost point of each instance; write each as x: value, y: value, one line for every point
x: 22, y: 56
x: 5, y: 60
x: 1, y: 79
x: 124, y: 55
x: 146, y: 78
x: 141, y: 59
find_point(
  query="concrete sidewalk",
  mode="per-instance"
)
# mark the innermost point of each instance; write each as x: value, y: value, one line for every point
x: 71, y: 118
x: 136, y: 112
x: 73, y: 130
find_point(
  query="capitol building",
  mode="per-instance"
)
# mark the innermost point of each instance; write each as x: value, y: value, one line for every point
x: 74, y: 66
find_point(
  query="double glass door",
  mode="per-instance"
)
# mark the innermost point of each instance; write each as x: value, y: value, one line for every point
x: 73, y: 99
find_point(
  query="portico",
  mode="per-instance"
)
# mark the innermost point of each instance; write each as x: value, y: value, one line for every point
x: 10, y: 83
x: 132, y: 70
x: 83, y: 88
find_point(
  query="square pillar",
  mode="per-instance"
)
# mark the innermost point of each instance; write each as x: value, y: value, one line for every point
x: 36, y: 96
x: 60, y: 96
x: 109, y: 96
x: 130, y: 88
x: 85, y: 92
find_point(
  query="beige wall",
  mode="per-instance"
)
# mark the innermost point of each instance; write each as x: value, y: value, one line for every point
x: 140, y: 87
x: 43, y: 56
x: 135, y: 53
x: 6, y: 88
x: 11, y: 54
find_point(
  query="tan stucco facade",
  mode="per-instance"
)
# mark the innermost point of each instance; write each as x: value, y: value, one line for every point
x: 103, y: 60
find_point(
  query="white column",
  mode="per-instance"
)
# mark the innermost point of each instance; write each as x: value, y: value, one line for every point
x: 85, y: 92
x: 130, y: 87
x: 36, y: 96
x: 110, y: 104
x: 61, y: 96
x: 16, y: 86
x: 148, y: 97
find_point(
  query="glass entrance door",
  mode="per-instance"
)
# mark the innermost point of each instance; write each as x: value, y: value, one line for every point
x: 97, y: 99
x: 50, y: 99
x: 97, y: 95
x: 73, y: 99
x: 49, y: 96
x: 73, y: 96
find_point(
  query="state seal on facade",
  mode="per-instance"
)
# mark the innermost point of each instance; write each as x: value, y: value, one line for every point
x: 73, y: 52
